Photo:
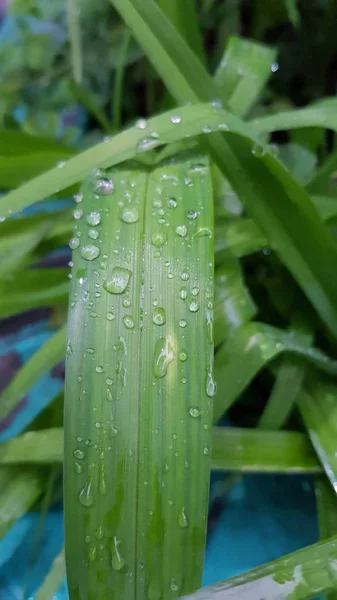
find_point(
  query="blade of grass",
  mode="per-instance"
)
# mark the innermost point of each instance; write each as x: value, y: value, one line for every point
x: 323, y: 179
x: 74, y: 32
x: 15, y: 170
x: 14, y: 142
x: 278, y: 204
x: 322, y: 116
x: 183, y: 15
x: 53, y: 580
x: 145, y: 363
x: 20, y: 488
x: 90, y: 104
x: 297, y: 576
x: 44, y: 359
x: 247, y: 350
x: 118, y: 84
x: 45, y: 446
x: 327, y: 515
x: 253, y: 451
x: 243, y: 72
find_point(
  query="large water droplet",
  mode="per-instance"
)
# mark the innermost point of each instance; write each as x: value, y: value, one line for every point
x: 93, y: 218
x: 93, y: 234
x: 163, y: 356
x: 181, y: 230
x: 148, y: 142
x: 117, y: 281
x: 182, y: 518
x: 90, y: 252
x: 85, y: 496
x: 195, y: 412
x: 194, y: 306
x: 128, y: 322
x: 210, y: 384
x: 104, y: 187
x: 117, y: 560
x: 130, y: 215
x: 78, y: 214
x: 159, y: 238
x: 159, y: 316
x: 74, y: 243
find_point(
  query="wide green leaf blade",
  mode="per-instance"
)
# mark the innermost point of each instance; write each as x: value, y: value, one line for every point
x: 139, y: 383
x: 298, y: 576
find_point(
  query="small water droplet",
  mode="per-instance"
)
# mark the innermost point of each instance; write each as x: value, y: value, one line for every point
x: 195, y: 412
x: 78, y: 468
x: 90, y: 350
x: 92, y: 553
x: 275, y: 67
x: 185, y: 276
x: 183, y: 355
x: 110, y: 316
x: 181, y: 230
x: 93, y: 218
x: 69, y: 349
x: 126, y: 302
x: 61, y: 164
x: 206, y: 450
x: 93, y: 234
x: 109, y: 395
x: 171, y: 203
x: 206, y: 129
x: 99, y: 532
x: 217, y: 104
x: 128, y: 322
x: 78, y: 198
x: 175, y: 119
x: 74, y: 243
x: 258, y: 150
x: 182, y: 518
x: 99, y: 369
x: 193, y: 214
x: 202, y: 232
x: 163, y: 356
x: 77, y: 214
x: 194, y: 306
x: 104, y: 187
x: 79, y: 454
x: 148, y: 142
x: 117, y: 560
x: 182, y: 323
x: 159, y: 316
x: 183, y: 293
x: 118, y: 280
x: 130, y: 215
x: 90, y: 252
x: 85, y: 496
x: 141, y: 124
x: 159, y: 238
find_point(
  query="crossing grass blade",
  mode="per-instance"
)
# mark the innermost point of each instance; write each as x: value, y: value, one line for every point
x: 139, y: 382
x: 183, y: 16
x: 45, y: 446
x: 327, y: 515
x: 40, y: 363
x: 247, y: 350
x: 53, y: 580
x: 20, y: 488
x: 298, y: 576
x: 322, y: 116
x: 253, y: 451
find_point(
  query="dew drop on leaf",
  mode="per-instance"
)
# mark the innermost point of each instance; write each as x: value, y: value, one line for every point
x: 85, y: 496
x: 74, y: 243
x: 159, y: 316
x: 159, y: 238
x: 90, y: 252
x: 117, y: 560
x: 104, y: 187
x: 130, y: 215
x: 93, y: 218
x: 117, y: 281
x: 181, y: 230
x: 182, y: 518
x: 163, y: 356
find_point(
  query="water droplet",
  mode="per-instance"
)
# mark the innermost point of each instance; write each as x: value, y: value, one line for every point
x: 78, y: 198
x: 206, y: 451
x: 217, y: 104
x: 85, y: 496
x: 102, y: 482
x: 185, y: 276
x: 130, y: 215
x: 159, y: 238
x: 93, y: 218
x: 78, y: 468
x: 109, y: 395
x: 182, y: 518
x: 99, y: 369
x: 108, y: 381
x: 104, y: 187
x: 206, y: 129
x: 183, y: 355
x: 61, y: 164
x: 90, y: 350
x: 99, y: 532
x: 79, y: 454
x: 77, y: 214
x: 171, y: 203
x: 181, y: 230
x: 183, y: 293
x: 258, y: 150
x: 90, y: 252
x: 182, y: 323
x: 148, y: 142
x: 74, y: 243
x: 126, y: 302
x: 210, y: 384
x: 69, y: 349
x: 110, y: 316
x: 159, y: 316
x: 275, y: 67
x: 128, y: 322
x: 141, y: 124
x: 202, y: 232
x: 195, y: 412
x: 194, y: 306
x: 174, y: 586
x: 175, y: 119
x: 117, y: 281
x: 117, y: 560
x: 93, y: 234
x: 193, y: 214
x: 92, y: 553
x: 163, y: 356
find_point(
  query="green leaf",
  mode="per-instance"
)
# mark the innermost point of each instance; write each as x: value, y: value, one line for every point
x: 327, y: 515
x: 14, y: 143
x: 139, y: 383
x: 183, y: 15
x: 298, y: 576
x: 74, y: 33
x: 321, y: 116
x: 53, y: 580
x: 15, y: 170
x: 45, y: 446
x: 44, y: 359
x: 243, y: 72
x: 247, y: 350
x: 278, y: 204
x: 19, y: 490
x: 293, y: 12
x: 253, y: 451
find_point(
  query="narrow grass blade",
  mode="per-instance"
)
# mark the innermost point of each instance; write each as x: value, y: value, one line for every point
x: 233, y: 304
x: 183, y: 15
x: 15, y: 170
x: 139, y: 384
x: 53, y: 580
x: 44, y: 359
x: 327, y: 515
x: 298, y: 576
x: 44, y: 446
x: 293, y: 12
x: 322, y: 116
x: 91, y: 105
x: 74, y: 33
x: 33, y: 288
x: 318, y: 409
x: 253, y: 451
x: 247, y: 350
x: 243, y: 72
x: 20, y: 488
x: 278, y: 204
x: 322, y: 180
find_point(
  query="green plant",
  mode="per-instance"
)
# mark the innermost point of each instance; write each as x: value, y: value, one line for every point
x: 142, y: 377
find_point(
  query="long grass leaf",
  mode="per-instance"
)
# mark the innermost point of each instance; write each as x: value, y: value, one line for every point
x: 44, y: 446
x: 20, y: 488
x: 14, y: 143
x: 53, y: 580
x: 139, y: 383
x: 322, y: 116
x: 327, y: 515
x: 183, y: 15
x: 301, y: 576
